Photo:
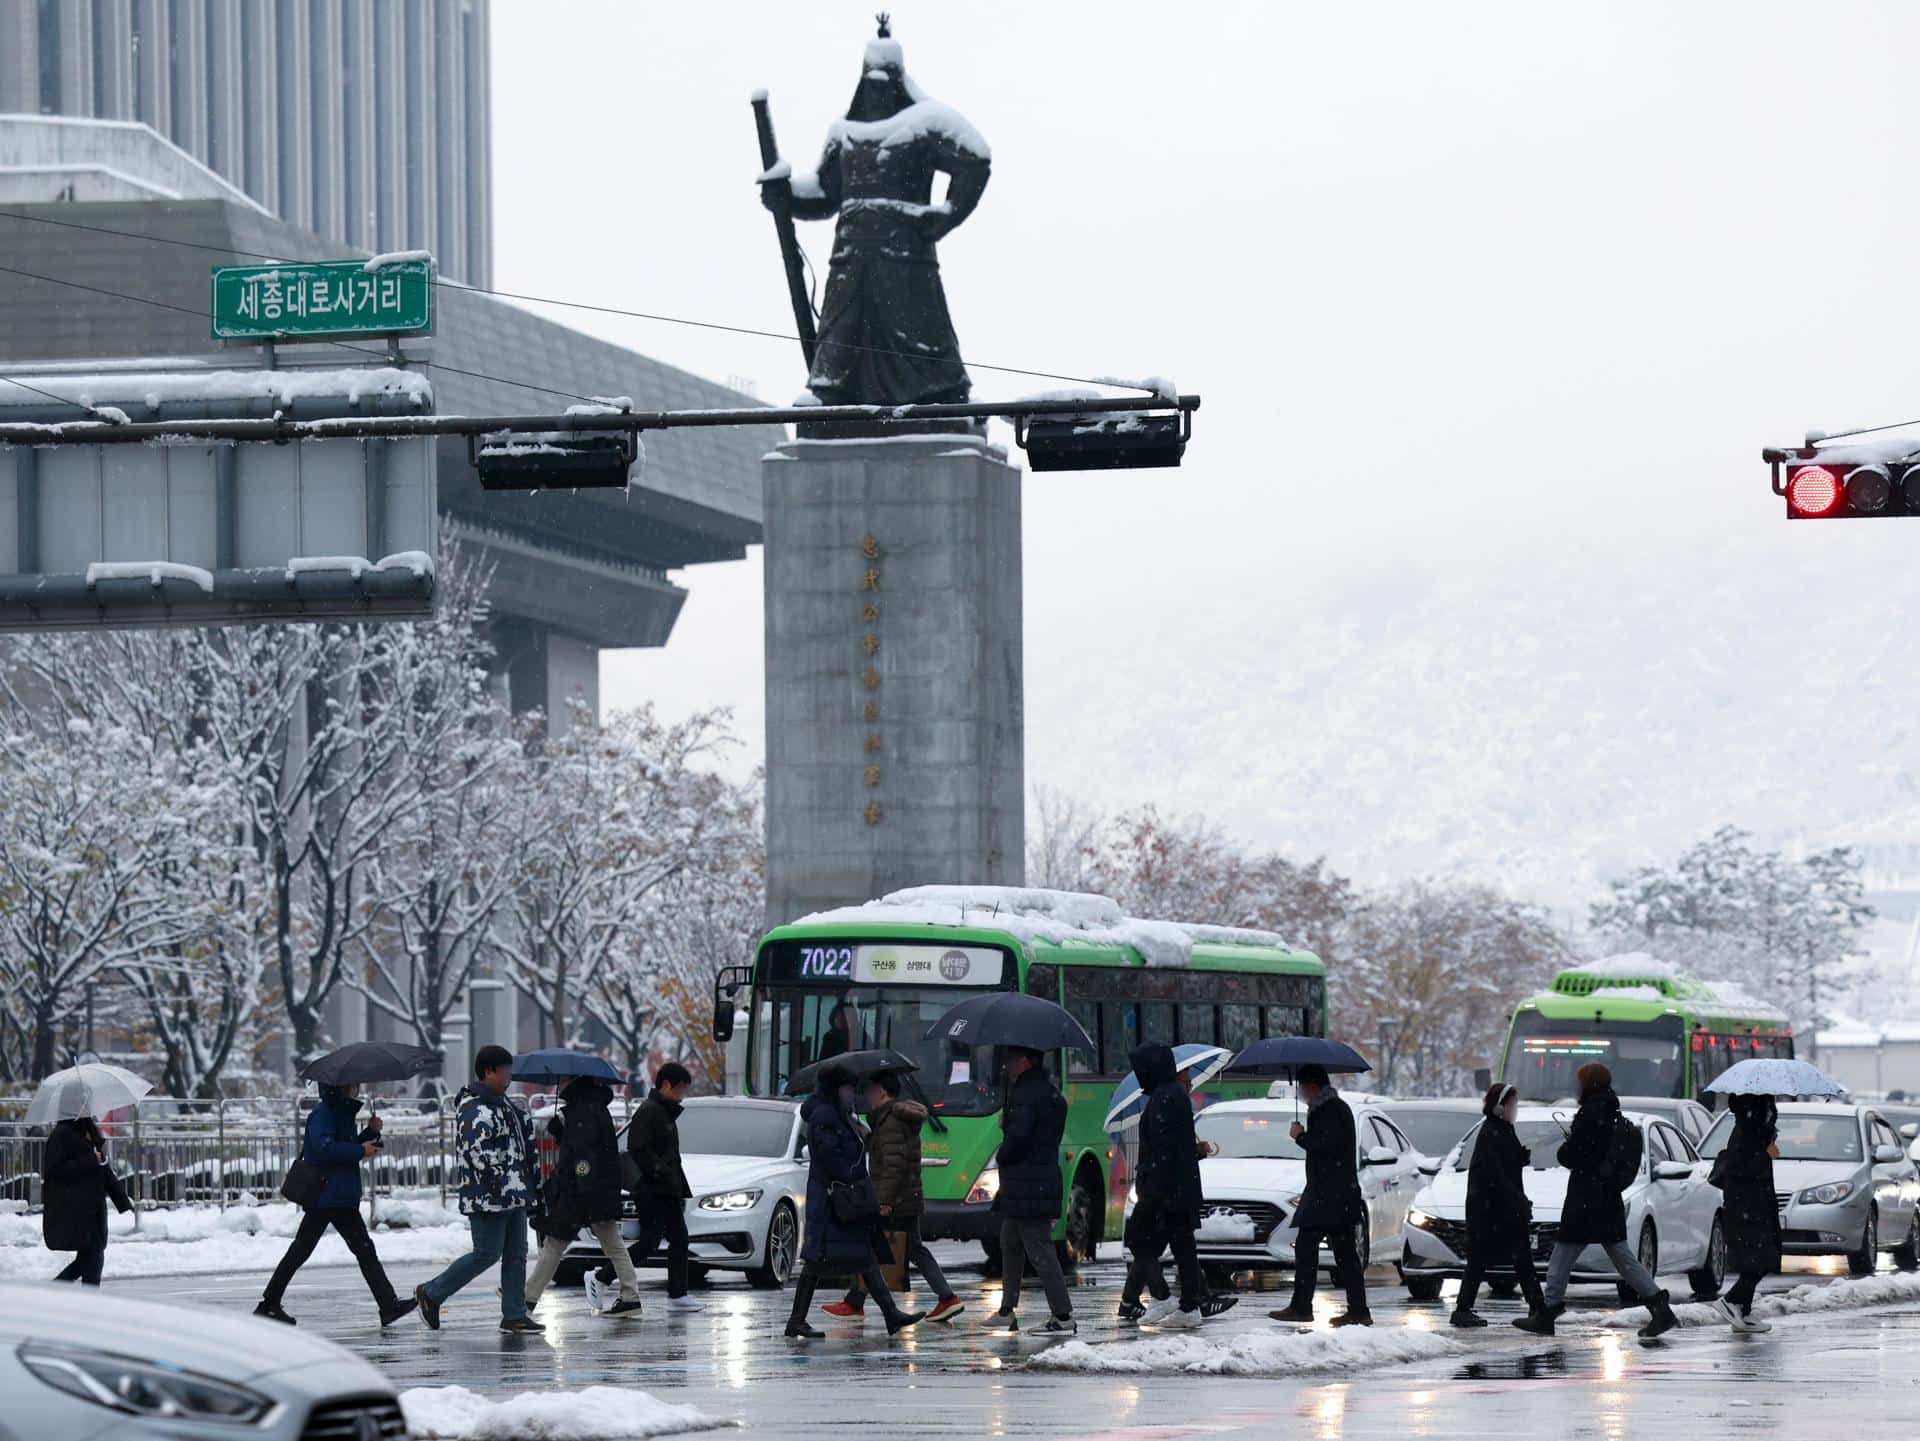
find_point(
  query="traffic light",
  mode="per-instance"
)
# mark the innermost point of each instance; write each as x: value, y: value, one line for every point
x: 1825, y: 490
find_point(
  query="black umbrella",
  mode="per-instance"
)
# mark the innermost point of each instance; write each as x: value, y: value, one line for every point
x: 367, y: 1061
x: 1007, y: 1018
x: 1285, y: 1055
x: 860, y: 1063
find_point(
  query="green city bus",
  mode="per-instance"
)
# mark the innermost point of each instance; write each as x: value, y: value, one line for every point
x: 880, y: 975
x: 1660, y: 1032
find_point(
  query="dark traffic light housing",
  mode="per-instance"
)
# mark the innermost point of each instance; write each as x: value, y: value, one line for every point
x: 1819, y: 489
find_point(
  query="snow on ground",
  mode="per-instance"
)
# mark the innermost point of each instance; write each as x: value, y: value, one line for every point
x: 1261, y: 1353
x: 599, y: 1413
x: 197, y: 1240
x: 1843, y: 1295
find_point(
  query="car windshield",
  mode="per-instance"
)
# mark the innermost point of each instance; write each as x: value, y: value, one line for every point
x: 796, y: 1026
x: 1433, y: 1133
x: 1543, y: 1055
x: 1541, y: 1138
x: 1250, y: 1135
x: 735, y: 1131
x: 1802, y: 1138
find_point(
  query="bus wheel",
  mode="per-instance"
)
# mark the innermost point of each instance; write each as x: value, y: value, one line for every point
x: 1083, y: 1224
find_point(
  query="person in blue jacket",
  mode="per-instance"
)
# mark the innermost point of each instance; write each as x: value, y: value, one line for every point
x: 336, y: 1144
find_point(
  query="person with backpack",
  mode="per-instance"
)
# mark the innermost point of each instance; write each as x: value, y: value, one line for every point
x: 584, y: 1190
x: 1498, y: 1211
x: 334, y: 1143
x: 893, y: 1161
x: 1744, y: 1173
x: 1602, y: 1155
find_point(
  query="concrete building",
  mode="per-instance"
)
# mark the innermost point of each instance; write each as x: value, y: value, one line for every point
x: 366, y: 122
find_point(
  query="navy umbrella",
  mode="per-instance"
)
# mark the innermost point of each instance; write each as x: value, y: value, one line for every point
x: 557, y: 1063
x: 1007, y: 1018
x: 1285, y: 1055
x: 364, y: 1062
x: 858, y: 1064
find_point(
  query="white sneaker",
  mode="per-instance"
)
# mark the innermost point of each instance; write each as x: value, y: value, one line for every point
x: 1158, y: 1311
x: 596, y: 1292
x: 1747, y: 1323
x: 1179, y: 1321
x: 685, y: 1303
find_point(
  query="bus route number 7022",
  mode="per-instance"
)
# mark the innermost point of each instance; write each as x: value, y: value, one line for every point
x: 826, y: 962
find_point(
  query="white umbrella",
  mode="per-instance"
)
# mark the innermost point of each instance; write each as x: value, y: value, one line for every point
x: 90, y: 1090
x: 1770, y: 1076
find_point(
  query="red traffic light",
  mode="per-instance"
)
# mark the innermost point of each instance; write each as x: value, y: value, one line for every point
x: 1814, y: 491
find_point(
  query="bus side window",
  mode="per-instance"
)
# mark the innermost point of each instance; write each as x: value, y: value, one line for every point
x: 1082, y: 1061
x: 1119, y: 1034
x: 1284, y: 1021
x: 1156, y: 1022
x: 1044, y: 981
x: 1198, y: 1024
x: 1239, y: 1026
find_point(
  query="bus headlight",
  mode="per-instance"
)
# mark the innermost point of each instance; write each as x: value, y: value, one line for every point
x: 1829, y: 1195
x: 986, y: 1188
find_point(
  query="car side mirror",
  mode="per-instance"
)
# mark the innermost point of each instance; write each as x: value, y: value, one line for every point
x: 1382, y: 1156
x: 1672, y: 1170
x: 1431, y: 1166
x: 802, y: 1157
x: 1911, y: 1130
x: 1882, y: 1155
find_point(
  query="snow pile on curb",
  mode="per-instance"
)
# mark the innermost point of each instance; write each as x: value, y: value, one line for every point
x: 1268, y: 1353
x: 1843, y: 1295
x: 599, y: 1413
x: 1060, y: 917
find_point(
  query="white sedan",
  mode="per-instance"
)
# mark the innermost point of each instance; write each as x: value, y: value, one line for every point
x: 1673, y: 1215
x: 744, y: 1164
x: 1252, y: 1188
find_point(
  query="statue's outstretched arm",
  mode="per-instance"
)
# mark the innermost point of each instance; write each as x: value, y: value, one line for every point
x: 817, y: 196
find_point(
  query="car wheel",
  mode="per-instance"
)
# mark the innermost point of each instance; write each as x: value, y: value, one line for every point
x: 1708, y: 1280
x: 1907, y: 1254
x: 1083, y: 1229
x: 1648, y: 1252
x: 1867, y: 1259
x: 783, y: 1244
x: 1419, y: 1288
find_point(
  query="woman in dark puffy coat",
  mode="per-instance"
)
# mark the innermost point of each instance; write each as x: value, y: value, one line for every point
x: 75, y: 1184
x: 837, y: 1155
x: 1498, y: 1212
x: 1744, y: 1173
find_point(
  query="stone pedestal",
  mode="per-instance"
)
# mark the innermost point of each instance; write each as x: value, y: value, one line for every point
x: 894, y: 685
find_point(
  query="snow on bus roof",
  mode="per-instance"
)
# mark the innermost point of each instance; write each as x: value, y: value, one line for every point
x: 1657, y: 980
x: 1035, y: 914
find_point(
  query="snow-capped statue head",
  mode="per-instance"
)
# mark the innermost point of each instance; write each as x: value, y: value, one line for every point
x: 884, y: 88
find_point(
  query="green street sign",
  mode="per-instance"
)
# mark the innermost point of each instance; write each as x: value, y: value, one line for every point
x: 383, y: 296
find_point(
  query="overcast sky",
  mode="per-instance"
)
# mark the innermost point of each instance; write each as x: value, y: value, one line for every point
x: 1466, y: 287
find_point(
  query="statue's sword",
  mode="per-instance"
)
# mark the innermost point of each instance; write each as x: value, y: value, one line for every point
x: 781, y: 192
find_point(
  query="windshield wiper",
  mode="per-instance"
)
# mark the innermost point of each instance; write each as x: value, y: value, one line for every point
x: 913, y: 1084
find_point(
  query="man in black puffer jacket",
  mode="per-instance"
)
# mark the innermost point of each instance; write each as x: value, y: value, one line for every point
x: 1028, y: 1204
x: 1167, y: 1213
x: 584, y: 1190
x: 1331, y: 1207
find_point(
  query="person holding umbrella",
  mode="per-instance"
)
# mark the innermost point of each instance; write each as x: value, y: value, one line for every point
x: 1331, y: 1207
x: 584, y: 1190
x: 1744, y: 1173
x: 75, y: 1185
x: 1028, y: 1204
x: 841, y: 1210
x: 334, y: 1144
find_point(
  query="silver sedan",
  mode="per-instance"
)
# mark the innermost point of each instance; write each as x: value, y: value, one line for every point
x: 87, y: 1365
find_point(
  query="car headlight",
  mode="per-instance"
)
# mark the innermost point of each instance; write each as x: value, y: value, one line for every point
x: 986, y: 1187
x: 730, y: 1201
x: 1831, y: 1194
x: 139, y: 1388
x: 1418, y: 1217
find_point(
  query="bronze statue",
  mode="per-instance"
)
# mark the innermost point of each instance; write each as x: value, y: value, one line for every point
x: 885, y: 337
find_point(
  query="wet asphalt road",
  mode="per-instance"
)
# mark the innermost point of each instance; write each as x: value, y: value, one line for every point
x: 1852, y: 1374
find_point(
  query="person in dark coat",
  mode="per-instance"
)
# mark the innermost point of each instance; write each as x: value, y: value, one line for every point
x: 1744, y: 1173
x: 1331, y: 1207
x: 75, y: 1185
x: 1600, y: 1169
x: 1028, y: 1204
x: 1498, y: 1212
x: 335, y: 1144
x: 837, y: 1156
x: 660, y: 1189
x: 893, y: 1162
x: 584, y: 1191
x: 1166, y: 1214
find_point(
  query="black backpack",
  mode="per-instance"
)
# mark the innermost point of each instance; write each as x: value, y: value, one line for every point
x: 1624, y: 1152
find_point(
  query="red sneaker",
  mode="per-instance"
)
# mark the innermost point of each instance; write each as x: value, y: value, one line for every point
x: 947, y: 1309
x: 841, y: 1308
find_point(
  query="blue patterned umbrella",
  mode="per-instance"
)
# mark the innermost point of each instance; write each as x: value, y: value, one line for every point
x: 1130, y: 1102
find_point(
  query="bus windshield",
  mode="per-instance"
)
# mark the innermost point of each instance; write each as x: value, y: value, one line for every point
x: 1543, y: 1055
x: 795, y: 1026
